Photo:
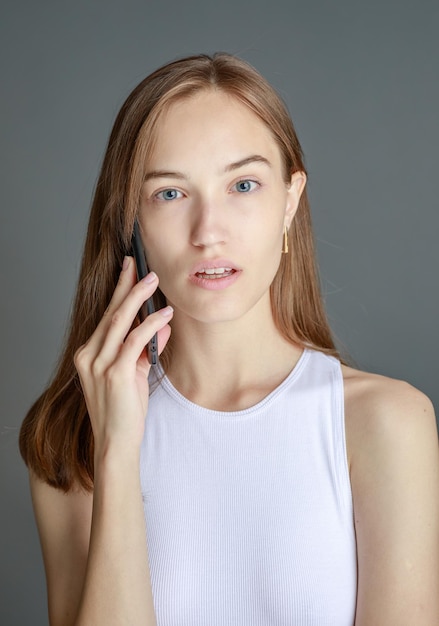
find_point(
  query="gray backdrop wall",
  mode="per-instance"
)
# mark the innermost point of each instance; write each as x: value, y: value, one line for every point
x: 361, y: 81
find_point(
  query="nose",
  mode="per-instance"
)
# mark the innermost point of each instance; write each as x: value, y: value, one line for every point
x: 209, y: 227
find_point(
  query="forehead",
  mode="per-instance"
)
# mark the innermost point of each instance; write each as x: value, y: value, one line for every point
x: 212, y: 121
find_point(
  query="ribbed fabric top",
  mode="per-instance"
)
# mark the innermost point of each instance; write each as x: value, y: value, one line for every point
x: 249, y: 514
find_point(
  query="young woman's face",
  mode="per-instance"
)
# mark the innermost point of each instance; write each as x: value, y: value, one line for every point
x: 213, y: 208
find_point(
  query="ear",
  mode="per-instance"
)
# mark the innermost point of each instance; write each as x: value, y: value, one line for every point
x: 294, y: 191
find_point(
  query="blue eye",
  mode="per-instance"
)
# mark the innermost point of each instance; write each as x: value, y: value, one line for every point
x: 244, y: 186
x: 168, y: 194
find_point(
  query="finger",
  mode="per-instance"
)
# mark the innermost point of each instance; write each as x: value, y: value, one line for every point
x: 163, y: 335
x: 127, y: 279
x: 135, y: 343
x: 122, y: 311
x: 122, y: 320
x: 86, y: 354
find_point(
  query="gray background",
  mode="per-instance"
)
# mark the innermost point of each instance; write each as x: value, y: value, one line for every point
x: 361, y: 82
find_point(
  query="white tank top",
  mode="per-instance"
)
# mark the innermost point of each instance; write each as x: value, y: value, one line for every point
x: 249, y: 514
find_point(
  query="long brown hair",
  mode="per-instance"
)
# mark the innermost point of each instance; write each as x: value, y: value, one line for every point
x: 56, y: 439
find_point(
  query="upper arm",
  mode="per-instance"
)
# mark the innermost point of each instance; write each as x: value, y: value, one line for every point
x: 64, y: 522
x: 392, y: 438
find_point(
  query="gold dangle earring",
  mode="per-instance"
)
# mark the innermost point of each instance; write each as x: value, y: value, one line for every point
x: 285, y: 246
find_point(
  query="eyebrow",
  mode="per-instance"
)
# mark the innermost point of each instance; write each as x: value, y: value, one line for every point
x: 163, y: 174
x: 254, y: 158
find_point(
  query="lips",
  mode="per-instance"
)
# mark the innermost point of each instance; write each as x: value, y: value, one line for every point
x: 214, y: 274
x: 214, y: 267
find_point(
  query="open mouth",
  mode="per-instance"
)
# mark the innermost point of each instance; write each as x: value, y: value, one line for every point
x: 215, y: 273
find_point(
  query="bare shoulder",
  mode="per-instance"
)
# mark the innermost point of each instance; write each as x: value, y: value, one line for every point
x: 379, y: 409
x: 393, y: 455
x: 64, y: 523
x: 364, y: 389
x: 54, y: 507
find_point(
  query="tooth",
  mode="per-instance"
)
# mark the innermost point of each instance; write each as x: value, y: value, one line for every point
x: 212, y: 271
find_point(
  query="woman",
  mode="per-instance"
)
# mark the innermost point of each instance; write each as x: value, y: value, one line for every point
x: 276, y: 484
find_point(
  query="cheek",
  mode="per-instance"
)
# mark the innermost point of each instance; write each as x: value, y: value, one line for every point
x: 269, y: 231
x: 159, y: 261
x: 165, y: 257
x: 158, y: 237
x: 270, y: 246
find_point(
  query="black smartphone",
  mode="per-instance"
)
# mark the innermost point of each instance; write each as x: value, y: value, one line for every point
x: 147, y: 307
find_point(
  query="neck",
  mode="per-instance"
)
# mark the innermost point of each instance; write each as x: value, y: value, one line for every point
x: 229, y: 365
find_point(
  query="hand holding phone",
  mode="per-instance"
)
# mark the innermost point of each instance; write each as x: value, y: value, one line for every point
x: 147, y: 307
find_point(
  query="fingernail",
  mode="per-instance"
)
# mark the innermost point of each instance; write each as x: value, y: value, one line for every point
x: 125, y: 264
x: 150, y: 278
x: 167, y: 311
